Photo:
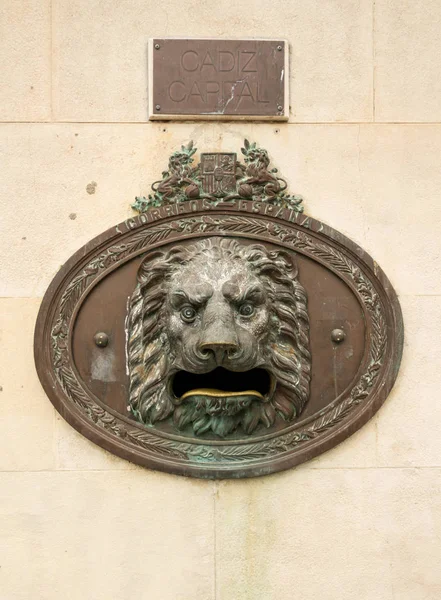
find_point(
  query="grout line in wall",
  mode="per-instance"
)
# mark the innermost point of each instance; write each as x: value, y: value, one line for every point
x: 374, y: 66
x: 360, y: 183
x: 236, y: 123
x: 51, y: 61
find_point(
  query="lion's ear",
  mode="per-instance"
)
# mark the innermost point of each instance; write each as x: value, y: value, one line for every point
x: 157, y: 264
x: 286, y: 262
x: 148, y: 264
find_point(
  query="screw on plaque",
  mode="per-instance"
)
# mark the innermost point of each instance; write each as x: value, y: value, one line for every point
x: 279, y: 48
x: 338, y: 335
x: 157, y: 107
x: 280, y: 108
x: 157, y: 46
x: 101, y: 339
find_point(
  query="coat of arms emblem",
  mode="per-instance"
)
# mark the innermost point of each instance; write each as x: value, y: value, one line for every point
x: 218, y: 173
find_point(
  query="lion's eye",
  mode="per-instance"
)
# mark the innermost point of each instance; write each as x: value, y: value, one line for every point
x: 188, y: 314
x: 246, y: 310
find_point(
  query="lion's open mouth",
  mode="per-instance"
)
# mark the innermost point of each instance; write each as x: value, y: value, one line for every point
x: 222, y: 383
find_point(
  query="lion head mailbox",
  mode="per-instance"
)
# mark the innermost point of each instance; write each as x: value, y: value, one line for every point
x: 218, y: 338
x: 221, y: 332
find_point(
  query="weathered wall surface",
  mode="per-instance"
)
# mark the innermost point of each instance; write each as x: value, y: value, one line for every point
x: 363, y: 147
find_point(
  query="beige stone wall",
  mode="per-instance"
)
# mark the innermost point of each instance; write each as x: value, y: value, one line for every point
x: 363, y: 146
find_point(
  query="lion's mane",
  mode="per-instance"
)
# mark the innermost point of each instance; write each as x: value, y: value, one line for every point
x: 287, y: 353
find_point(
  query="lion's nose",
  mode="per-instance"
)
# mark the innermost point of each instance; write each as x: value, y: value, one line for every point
x: 220, y: 350
x: 218, y: 336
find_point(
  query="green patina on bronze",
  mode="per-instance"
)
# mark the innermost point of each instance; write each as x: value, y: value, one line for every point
x: 219, y: 177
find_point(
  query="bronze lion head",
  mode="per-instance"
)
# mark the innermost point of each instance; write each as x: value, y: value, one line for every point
x: 218, y: 338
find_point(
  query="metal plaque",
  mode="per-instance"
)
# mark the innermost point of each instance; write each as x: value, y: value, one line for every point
x: 221, y: 332
x: 218, y: 79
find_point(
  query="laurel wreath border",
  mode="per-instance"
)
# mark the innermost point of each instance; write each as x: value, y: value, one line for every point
x: 197, y: 452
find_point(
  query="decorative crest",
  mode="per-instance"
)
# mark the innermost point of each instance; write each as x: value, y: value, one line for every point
x: 220, y: 177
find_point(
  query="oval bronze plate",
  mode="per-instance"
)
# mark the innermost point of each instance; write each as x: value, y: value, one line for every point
x: 219, y: 341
